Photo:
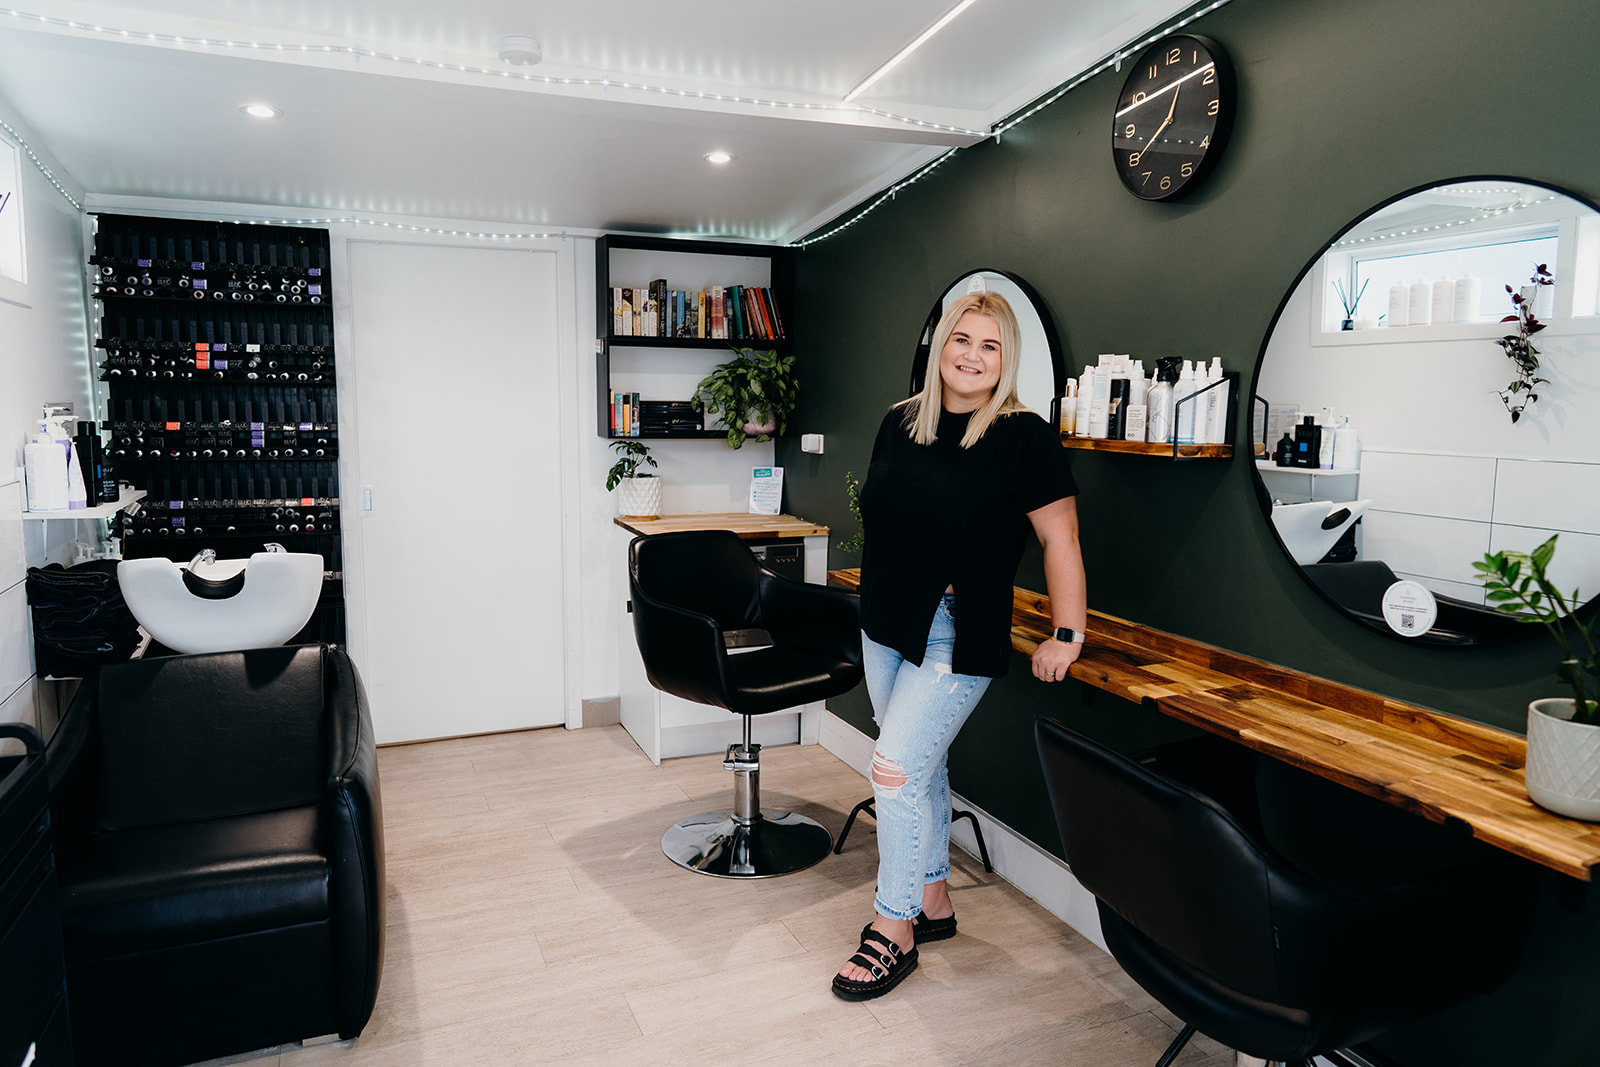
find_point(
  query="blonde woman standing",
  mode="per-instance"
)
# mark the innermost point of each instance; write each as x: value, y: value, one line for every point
x: 961, y: 474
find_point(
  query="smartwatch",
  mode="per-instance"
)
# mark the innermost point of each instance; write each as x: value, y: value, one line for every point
x: 1068, y: 634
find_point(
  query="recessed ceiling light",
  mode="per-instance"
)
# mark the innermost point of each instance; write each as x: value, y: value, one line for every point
x: 719, y: 157
x: 261, y: 111
x: 520, y: 51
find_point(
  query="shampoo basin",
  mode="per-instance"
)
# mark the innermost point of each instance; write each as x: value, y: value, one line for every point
x: 1309, y: 530
x: 212, y: 605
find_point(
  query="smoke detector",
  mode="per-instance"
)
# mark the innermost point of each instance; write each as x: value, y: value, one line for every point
x: 520, y: 51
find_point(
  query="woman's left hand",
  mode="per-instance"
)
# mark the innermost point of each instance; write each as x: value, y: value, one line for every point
x: 1052, y: 659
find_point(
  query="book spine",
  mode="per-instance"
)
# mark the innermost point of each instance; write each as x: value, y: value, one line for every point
x: 738, y: 312
x: 636, y: 430
x: 777, y: 320
x: 718, y: 324
x: 616, y: 311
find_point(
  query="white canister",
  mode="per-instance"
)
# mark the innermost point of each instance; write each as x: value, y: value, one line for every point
x: 1469, y: 292
x: 1399, y: 304
x: 1421, y: 305
x: 1444, y: 300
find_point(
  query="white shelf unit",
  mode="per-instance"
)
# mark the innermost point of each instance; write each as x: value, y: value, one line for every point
x: 102, y: 511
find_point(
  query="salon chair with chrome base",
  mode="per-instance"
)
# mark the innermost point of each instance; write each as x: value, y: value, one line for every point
x: 1250, y: 949
x: 716, y: 628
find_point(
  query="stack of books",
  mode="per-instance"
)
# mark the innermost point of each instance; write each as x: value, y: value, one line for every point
x: 670, y: 418
x: 732, y: 312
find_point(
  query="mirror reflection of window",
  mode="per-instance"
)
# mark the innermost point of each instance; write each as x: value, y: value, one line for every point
x: 11, y: 265
x: 1442, y: 474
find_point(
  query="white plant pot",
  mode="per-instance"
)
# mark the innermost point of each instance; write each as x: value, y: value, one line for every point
x: 1563, y: 769
x: 639, y: 498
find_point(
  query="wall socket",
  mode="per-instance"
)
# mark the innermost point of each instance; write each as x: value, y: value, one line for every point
x: 811, y: 442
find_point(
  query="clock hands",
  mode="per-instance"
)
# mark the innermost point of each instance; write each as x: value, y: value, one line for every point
x: 1138, y: 156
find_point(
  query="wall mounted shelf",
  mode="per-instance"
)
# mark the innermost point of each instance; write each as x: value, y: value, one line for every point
x: 102, y: 511
x: 1148, y: 448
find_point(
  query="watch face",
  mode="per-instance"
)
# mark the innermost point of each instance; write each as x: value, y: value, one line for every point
x: 1173, y: 115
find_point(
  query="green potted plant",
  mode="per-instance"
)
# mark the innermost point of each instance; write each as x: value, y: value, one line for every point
x: 1563, y: 765
x: 754, y: 393
x: 641, y: 492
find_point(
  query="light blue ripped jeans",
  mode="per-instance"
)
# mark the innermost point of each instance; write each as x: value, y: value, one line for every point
x: 919, y: 711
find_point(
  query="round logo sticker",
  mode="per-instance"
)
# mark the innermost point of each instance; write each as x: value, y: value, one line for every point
x: 1409, y: 609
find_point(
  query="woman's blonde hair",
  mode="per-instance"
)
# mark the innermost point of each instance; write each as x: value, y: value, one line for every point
x: 923, y: 410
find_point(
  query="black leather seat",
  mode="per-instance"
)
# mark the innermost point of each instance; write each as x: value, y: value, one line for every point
x: 1249, y: 949
x: 715, y: 627
x: 219, y: 836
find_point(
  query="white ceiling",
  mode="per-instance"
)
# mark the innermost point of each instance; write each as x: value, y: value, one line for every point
x: 419, y: 136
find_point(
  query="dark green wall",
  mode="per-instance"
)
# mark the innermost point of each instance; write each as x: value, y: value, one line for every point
x: 1341, y: 105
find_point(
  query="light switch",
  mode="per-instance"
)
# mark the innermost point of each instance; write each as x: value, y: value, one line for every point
x: 366, y: 500
x: 811, y: 442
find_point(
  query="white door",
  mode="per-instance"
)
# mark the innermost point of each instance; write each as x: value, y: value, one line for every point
x: 457, y: 429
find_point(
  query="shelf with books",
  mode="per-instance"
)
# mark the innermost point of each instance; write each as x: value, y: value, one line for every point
x: 749, y: 283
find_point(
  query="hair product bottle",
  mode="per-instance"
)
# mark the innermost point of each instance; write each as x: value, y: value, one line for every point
x: 1161, y: 398
x: 1185, y: 430
x: 1217, y: 403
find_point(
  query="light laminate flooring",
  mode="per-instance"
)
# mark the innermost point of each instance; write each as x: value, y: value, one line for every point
x: 533, y: 919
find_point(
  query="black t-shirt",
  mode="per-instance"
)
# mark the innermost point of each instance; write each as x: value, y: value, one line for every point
x: 941, y: 515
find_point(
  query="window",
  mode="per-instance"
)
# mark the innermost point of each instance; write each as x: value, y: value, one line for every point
x: 1506, y: 261
x: 11, y: 249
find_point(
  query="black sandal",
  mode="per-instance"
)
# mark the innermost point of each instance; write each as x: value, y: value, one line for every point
x: 926, y: 929
x: 885, y: 959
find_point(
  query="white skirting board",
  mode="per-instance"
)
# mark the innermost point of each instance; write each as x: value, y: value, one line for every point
x: 1016, y: 859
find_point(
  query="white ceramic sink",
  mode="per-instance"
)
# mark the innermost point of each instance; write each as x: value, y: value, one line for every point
x: 252, y: 603
x: 1309, y: 530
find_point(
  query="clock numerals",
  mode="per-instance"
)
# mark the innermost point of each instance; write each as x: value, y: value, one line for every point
x: 1186, y: 124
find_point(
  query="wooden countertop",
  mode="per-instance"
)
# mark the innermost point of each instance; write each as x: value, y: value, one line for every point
x: 1435, y: 765
x: 749, y: 527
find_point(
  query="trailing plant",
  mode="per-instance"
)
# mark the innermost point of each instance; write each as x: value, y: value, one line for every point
x: 1518, y: 583
x: 630, y: 456
x: 852, y: 491
x: 755, y: 387
x: 1519, y: 346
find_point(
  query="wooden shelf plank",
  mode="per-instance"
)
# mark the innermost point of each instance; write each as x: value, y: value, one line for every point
x: 1147, y: 448
x: 1435, y: 765
x: 749, y: 527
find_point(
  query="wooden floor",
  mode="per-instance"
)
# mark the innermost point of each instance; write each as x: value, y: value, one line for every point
x: 533, y: 919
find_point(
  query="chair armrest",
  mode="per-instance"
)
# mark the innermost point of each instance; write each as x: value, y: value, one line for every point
x: 682, y: 650
x: 71, y: 757
x: 815, y: 617
x: 354, y: 825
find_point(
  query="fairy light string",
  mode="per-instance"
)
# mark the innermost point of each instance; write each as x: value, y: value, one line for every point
x: 1111, y: 61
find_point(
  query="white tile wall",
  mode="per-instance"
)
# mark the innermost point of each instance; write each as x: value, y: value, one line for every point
x: 13, y: 561
x: 16, y: 640
x: 1425, y: 545
x: 1472, y: 594
x: 1456, y: 487
x: 1577, y: 561
x: 1551, y: 495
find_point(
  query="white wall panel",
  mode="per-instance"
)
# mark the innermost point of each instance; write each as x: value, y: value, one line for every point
x: 16, y: 640
x: 1424, y: 545
x: 1472, y: 594
x: 13, y: 563
x: 1557, y: 496
x: 1576, y: 563
x: 1454, y: 487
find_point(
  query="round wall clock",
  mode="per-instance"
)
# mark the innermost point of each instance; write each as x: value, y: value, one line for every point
x: 1173, y: 116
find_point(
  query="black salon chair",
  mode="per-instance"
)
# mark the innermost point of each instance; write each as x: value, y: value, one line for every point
x: 219, y: 841
x: 1250, y: 950
x: 714, y: 627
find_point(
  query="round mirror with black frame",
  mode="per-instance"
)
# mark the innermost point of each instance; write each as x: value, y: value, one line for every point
x: 1443, y: 448
x: 1042, y: 375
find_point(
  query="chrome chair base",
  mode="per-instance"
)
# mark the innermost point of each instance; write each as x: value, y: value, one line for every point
x: 717, y: 844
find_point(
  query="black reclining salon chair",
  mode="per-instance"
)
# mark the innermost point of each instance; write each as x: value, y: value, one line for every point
x: 714, y: 627
x: 219, y: 841
x: 1250, y: 950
